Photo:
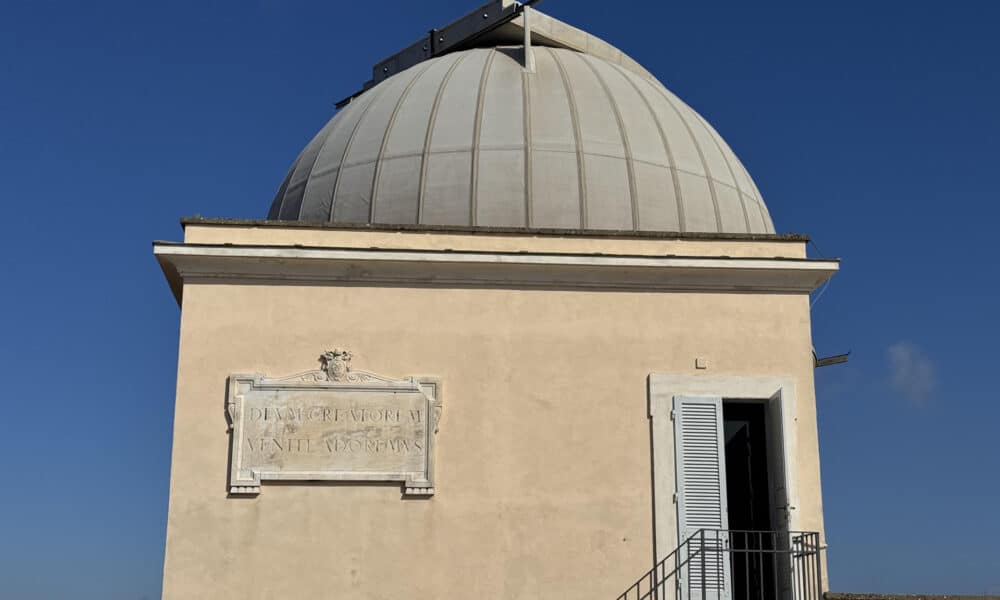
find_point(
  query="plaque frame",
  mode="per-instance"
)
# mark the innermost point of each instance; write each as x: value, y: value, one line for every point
x: 246, y: 480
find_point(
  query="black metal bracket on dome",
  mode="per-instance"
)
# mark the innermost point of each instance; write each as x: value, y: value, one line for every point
x: 498, y: 23
x: 457, y: 35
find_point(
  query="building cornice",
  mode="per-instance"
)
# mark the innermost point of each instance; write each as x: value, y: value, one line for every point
x: 504, y: 231
x: 205, y: 263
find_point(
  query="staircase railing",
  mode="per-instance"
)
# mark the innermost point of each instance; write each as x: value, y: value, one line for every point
x: 726, y: 564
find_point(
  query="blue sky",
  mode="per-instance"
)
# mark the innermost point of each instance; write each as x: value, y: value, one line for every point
x: 871, y: 126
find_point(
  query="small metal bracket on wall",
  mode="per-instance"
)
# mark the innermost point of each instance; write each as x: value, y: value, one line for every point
x: 829, y: 360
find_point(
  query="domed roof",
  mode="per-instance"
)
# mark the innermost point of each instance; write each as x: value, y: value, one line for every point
x: 471, y: 138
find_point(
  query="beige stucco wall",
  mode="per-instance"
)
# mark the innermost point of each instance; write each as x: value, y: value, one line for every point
x: 543, y: 456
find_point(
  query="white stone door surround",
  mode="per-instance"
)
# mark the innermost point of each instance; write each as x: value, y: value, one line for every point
x: 662, y: 389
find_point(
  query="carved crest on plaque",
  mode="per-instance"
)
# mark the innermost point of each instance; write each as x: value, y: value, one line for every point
x: 333, y: 424
x: 336, y: 364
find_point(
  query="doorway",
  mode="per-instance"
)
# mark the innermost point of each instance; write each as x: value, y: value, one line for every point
x: 748, y: 494
x: 692, y: 479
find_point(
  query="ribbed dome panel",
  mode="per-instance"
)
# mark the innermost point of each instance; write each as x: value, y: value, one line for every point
x: 472, y: 139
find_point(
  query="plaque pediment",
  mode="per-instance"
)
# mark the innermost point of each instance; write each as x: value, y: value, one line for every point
x: 332, y: 424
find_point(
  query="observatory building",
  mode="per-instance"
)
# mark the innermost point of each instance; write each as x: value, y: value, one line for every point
x: 518, y: 325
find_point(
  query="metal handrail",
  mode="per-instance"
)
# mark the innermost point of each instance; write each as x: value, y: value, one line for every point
x: 736, y: 564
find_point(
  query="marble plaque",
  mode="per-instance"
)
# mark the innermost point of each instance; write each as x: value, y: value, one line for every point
x: 333, y: 424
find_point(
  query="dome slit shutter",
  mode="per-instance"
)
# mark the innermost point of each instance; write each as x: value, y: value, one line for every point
x: 701, y: 156
x: 314, y: 201
x: 629, y: 162
x: 765, y: 214
x: 756, y: 201
x: 385, y: 141
x: 725, y: 158
x: 477, y: 130
x: 295, y: 191
x: 666, y: 146
x: 526, y: 122
x: 347, y: 149
x: 279, y: 199
x: 744, y: 185
x: 430, y: 134
x: 578, y: 136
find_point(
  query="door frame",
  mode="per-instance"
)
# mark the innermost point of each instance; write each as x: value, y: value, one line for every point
x: 661, y: 392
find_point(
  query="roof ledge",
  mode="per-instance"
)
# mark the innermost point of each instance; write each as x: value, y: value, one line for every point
x: 488, y: 230
x: 208, y: 263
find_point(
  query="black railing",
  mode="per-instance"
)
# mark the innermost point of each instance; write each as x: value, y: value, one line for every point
x: 725, y: 564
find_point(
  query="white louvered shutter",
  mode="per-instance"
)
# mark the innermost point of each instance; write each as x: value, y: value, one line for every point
x: 699, y: 440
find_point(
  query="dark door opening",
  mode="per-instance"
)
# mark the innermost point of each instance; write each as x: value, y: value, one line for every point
x: 748, y: 496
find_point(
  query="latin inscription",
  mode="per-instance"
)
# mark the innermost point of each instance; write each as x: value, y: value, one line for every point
x: 305, y: 431
x: 333, y: 424
x: 327, y: 414
x: 331, y: 446
x: 364, y: 420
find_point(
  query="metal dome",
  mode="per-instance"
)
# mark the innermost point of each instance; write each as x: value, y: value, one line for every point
x: 472, y: 138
